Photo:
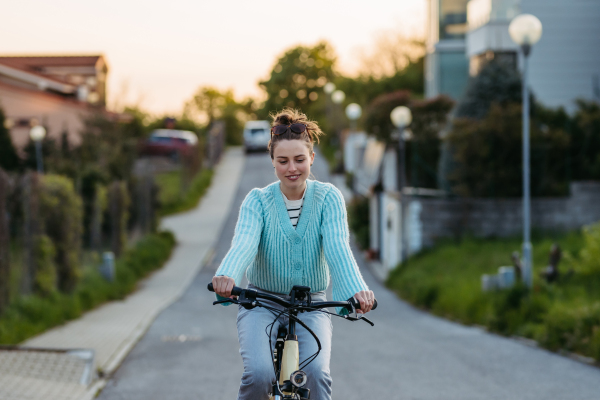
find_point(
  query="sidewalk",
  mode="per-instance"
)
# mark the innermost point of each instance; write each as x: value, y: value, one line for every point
x: 113, y: 329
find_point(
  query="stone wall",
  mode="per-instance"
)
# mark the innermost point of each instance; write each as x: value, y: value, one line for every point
x: 440, y: 218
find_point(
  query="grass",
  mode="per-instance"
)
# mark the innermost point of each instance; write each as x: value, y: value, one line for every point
x: 565, y: 315
x: 30, y: 315
x: 172, y: 199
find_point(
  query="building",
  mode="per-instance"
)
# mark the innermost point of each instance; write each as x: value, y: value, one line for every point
x: 446, y: 63
x: 55, y: 91
x: 563, y: 66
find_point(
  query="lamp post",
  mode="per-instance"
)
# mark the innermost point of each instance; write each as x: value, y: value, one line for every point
x: 525, y: 30
x: 353, y: 112
x: 37, y: 134
x: 401, y: 117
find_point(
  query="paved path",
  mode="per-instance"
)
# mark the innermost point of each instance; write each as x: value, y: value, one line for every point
x: 191, y: 350
x: 114, y: 328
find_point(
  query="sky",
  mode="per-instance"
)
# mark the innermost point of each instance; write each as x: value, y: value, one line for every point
x: 160, y: 52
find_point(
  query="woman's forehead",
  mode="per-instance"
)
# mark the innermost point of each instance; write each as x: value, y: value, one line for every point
x: 291, y: 148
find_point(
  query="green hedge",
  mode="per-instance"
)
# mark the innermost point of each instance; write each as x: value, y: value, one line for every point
x: 564, y: 315
x: 31, y: 315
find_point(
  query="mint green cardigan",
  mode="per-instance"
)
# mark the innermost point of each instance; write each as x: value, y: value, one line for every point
x: 276, y: 256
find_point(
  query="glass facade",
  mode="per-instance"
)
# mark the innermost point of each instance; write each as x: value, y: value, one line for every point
x: 453, y: 19
x: 454, y: 73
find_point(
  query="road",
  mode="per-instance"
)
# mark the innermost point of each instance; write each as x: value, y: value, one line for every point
x: 191, y: 350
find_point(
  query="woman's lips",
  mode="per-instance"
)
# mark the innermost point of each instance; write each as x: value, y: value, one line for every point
x: 293, y: 177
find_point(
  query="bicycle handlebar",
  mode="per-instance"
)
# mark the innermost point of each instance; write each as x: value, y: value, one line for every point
x: 251, y: 293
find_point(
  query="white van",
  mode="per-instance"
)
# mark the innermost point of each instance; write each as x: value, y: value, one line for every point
x: 256, y: 135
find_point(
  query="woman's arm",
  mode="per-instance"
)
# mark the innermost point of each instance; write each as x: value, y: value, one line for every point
x: 345, y: 275
x: 246, y: 238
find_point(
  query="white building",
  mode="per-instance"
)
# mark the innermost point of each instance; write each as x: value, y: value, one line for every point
x: 564, y: 64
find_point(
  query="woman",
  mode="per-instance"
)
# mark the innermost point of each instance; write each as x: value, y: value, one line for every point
x: 292, y: 232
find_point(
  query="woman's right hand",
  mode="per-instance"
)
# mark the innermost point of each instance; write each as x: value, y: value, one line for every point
x: 223, y: 285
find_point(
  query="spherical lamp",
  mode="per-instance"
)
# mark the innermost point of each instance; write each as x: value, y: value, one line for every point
x: 37, y: 133
x: 338, y: 97
x: 525, y: 29
x: 353, y: 111
x: 401, y: 116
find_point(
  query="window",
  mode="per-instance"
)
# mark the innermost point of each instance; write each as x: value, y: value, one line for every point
x: 453, y: 19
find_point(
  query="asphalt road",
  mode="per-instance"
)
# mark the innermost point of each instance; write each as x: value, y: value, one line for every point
x: 191, y: 350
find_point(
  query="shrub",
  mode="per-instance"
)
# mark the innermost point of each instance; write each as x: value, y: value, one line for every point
x: 45, y: 275
x: 62, y: 213
x: 358, y: 218
x: 30, y: 315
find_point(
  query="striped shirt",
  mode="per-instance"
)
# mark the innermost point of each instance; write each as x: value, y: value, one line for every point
x: 294, y: 208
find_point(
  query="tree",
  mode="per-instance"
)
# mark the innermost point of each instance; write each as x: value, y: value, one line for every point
x: 210, y: 104
x: 497, y: 83
x: 9, y: 160
x: 391, y: 53
x: 488, y: 155
x: 297, y: 80
x: 429, y: 118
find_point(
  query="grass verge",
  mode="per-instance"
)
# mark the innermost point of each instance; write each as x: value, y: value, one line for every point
x: 172, y: 200
x: 560, y: 316
x: 32, y: 315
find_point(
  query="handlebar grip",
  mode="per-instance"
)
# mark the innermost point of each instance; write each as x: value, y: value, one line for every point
x: 356, y: 304
x: 236, y: 291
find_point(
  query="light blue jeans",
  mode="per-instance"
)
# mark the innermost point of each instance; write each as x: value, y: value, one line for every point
x: 259, y: 375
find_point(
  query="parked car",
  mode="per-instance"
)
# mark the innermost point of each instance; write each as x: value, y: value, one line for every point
x: 256, y: 135
x: 170, y: 143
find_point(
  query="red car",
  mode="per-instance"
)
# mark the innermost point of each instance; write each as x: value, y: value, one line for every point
x: 170, y: 143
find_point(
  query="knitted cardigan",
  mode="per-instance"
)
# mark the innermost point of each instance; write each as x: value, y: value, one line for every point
x: 276, y: 256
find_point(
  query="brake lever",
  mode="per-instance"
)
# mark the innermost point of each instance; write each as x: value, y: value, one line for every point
x: 349, y: 318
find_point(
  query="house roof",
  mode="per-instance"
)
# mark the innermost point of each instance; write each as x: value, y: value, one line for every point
x: 31, y: 69
x: 33, y: 63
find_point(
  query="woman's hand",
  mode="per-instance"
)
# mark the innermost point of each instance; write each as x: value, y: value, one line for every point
x: 366, y: 299
x: 223, y: 285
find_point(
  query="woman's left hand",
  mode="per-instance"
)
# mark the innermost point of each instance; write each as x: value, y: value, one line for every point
x: 366, y: 299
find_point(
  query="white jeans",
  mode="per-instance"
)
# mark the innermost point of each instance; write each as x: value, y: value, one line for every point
x: 259, y: 374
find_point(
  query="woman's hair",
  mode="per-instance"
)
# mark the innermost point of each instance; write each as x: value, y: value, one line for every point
x: 289, y: 116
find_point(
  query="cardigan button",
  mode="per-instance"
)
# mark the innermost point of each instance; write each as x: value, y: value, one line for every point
x: 298, y: 240
x: 298, y: 265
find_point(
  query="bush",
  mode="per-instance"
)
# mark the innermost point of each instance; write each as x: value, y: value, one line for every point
x: 62, y: 213
x: 31, y: 315
x: 358, y: 218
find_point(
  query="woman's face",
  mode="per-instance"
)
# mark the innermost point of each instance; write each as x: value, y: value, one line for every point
x: 292, y: 160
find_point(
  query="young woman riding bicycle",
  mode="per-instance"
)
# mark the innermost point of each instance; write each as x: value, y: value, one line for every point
x: 291, y: 232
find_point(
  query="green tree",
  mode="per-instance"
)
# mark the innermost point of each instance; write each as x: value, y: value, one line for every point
x: 297, y: 81
x: 212, y: 104
x: 8, y: 155
x: 585, y: 139
x: 488, y: 155
x: 423, y: 149
x: 497, y: 82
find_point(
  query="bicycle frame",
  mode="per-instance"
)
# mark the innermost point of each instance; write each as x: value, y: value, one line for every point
x: 290, y: 380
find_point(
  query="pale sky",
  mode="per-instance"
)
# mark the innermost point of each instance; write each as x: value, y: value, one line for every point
x: 160, y: 52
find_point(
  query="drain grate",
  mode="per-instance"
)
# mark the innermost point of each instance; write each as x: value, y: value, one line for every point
x: 54, y: 365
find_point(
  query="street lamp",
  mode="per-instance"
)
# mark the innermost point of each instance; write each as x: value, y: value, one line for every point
x: 353, y: 112
x: 329, y: 87
x: 37, y: 134
x: 525, y: 30
x: 338, y: 97
x: 402, y: 117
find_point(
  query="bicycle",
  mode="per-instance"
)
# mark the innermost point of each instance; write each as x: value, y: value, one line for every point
x: 286, y: 353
